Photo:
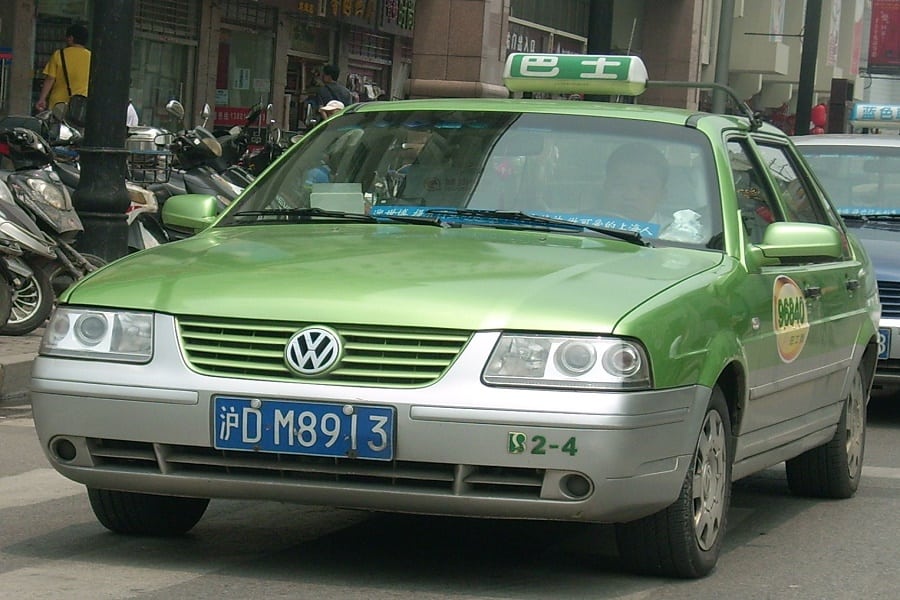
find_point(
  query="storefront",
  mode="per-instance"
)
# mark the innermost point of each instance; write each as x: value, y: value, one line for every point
x: 310, y: 46
x: 244, y: 68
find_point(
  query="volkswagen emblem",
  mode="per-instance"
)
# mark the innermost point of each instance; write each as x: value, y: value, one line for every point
x: 313, y: 351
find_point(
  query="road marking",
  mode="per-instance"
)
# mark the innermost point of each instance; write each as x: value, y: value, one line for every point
x: 881, y: 472
x: 39, y: 485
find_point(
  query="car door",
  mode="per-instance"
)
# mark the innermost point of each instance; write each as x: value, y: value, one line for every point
x: 805, y: 313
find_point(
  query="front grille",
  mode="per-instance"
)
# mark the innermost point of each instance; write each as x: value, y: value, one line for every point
x: 373, y: 356
x: 889, y: 293
x: 409, y: 476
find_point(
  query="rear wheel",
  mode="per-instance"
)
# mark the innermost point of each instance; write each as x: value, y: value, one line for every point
x: 146, y: 514
x: 685, y: 539
x: 833, y: 470
x: 32, y: 301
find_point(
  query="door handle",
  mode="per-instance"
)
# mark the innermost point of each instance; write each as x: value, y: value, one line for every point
x: 812, y: 292
x: 853, y: 284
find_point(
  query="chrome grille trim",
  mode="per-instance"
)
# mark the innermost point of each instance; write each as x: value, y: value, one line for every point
x: 419, y: 477
x: 373, y: 356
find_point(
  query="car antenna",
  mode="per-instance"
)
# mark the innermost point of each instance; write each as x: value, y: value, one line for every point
x: 754, y: 117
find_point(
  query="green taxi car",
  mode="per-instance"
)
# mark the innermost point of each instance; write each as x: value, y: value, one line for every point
x: 503, y: 308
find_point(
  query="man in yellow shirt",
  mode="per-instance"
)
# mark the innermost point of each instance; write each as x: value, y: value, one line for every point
x: 78, y: 68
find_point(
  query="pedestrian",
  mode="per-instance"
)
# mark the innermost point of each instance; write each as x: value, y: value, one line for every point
x: 330, y: 109
x: 331, y: 89
x: 64, y: 79
x: 131, y: 117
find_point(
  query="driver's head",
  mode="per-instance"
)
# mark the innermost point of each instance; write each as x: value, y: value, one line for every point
x: 636, y: 175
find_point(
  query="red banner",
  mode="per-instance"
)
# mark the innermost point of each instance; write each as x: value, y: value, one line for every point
x: 884, y: 38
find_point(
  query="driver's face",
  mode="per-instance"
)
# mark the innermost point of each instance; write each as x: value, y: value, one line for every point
x: 633, y: 191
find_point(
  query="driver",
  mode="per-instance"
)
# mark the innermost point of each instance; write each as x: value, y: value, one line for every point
x: 636, y: 175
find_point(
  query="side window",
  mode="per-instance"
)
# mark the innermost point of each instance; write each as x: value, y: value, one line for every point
x: 754, y: 198
x: 797, y: 202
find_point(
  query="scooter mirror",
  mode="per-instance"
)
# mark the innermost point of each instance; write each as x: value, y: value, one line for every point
x: 204, y: 114
x: 235, y: 131
x: 174, y: 108
x: 163, y: 139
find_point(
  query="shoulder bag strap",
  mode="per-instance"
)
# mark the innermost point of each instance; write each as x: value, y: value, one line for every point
x: 62, y: 58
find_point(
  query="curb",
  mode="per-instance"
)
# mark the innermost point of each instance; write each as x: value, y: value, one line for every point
x: 15, y: 377
x: 17, y: 353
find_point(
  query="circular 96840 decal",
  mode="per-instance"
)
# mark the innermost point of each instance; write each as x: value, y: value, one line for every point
x: 790, y: 318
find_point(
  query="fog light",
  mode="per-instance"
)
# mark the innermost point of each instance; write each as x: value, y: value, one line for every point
x: 575, y: 486
x: 64, y: 449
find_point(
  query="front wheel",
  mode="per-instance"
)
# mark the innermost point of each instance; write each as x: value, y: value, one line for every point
x: 685, y: 539
x: 834, y: 469
x: 146, y: 514
x: 32, y: 301
x: 61, y: 277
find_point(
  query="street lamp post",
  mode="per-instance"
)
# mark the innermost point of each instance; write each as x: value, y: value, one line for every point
x: 100, y: 198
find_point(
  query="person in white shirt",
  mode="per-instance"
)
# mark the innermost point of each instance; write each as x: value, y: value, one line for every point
x: 131, y: 118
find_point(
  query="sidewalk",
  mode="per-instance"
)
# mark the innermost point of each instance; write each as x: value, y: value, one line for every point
x: 16, y: 354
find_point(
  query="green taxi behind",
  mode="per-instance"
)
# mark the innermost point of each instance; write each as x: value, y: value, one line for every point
x: 531, y: 309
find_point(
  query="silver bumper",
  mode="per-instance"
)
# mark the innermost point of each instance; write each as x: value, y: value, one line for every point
x: 149, y: 428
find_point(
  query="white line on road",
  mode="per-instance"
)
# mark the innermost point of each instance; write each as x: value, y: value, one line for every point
x: 39, y: 485
x: 881, y: 472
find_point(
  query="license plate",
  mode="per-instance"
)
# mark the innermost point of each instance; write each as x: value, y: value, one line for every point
x: 311, y: 428
x: 884, y: 342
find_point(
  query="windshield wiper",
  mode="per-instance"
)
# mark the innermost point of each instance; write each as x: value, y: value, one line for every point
x: 512, y: 218
x: 304, y: 214
x: 870, y: 216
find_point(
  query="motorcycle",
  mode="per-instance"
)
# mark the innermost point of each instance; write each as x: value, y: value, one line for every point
x: 38, y: 190
x: 257, y: 159
x: 194, y: 151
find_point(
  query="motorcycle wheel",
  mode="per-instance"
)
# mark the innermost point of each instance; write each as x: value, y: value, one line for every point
x: 61, y: 278
x: 5, y: 300
x: 31, y: 303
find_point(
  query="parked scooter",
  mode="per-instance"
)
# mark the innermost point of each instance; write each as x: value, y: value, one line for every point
x: 24, y: 248
x: 38, y: 190
x: 194, y: 150
x: 256, y: 160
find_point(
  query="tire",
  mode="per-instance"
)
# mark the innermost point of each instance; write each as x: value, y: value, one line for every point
x: 5, y: 300
x: 61, y: 278
x: 32, y: 301
x: 833, y: 470
x: 133, y: 513
x: 685, y: 539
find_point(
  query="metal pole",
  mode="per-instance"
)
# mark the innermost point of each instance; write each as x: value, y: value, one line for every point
x: 808, y: 58
x: 101, y: 199
x: 723, y: 54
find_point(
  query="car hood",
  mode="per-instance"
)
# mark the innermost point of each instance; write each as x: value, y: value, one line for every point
x: 881, y: 243
x: 475, y: 278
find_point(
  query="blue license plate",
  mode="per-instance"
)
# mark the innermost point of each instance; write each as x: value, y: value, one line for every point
x: 884, y: 342
x: 312, y: 428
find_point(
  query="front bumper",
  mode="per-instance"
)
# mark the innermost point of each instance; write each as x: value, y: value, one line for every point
x: 149, y: 428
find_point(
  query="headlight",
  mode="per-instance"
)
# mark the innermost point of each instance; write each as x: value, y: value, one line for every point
x: 99, y: 335
x: 596, y: 363
x: 55, y: 196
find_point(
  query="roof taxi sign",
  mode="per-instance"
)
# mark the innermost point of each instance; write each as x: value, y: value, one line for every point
x: 875, y: 115
x: 575, y: 73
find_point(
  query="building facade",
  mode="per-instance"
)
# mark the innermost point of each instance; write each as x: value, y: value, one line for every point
x: 233, y: 53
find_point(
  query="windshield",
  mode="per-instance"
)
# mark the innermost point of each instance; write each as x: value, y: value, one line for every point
x: 651, y: 178
x: 858, y: 180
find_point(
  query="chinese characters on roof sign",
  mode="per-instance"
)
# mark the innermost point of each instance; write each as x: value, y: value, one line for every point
x: 875, y: 115
x: 575, y: 73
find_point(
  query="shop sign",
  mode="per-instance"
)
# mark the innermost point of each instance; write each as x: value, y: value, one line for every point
x: 231, y: 115
x: 358, y: 11
x: 398, y: 16
x: 884, y: 37
x: 521, y: 38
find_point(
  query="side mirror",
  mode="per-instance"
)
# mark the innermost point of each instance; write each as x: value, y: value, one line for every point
x: 797, y: 243
x: 204, y: 114
x: 190, y: 212
x: 163, y: 139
